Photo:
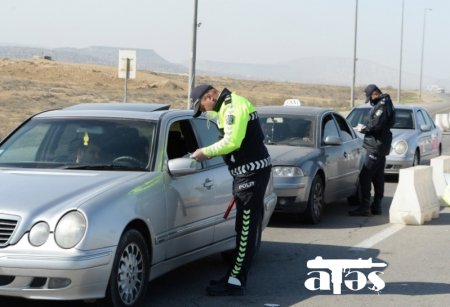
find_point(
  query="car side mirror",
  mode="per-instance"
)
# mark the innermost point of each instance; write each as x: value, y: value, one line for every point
x: 182, y: 166
x: 332, y: 140
x: 425, y: 127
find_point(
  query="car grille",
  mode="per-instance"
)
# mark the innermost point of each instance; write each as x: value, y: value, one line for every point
x: 7, y: 227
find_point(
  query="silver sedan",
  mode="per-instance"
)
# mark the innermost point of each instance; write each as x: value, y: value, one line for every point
x: 415, y: 137
x: 316, y: 158
x: 98, y: 199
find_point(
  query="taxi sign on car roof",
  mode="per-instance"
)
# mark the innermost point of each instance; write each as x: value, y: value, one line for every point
x: 292, y: 103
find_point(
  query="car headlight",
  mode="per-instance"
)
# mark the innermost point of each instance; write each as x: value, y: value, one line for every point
x: 287, y: 171
x: 401, y: 147
x: 39, y: 233
x: 70, y: 229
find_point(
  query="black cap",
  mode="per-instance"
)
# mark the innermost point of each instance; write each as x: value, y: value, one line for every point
x: 369, y: 90
x: 196, y: 95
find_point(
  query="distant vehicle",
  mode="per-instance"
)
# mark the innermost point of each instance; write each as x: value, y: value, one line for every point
x: 415, y: 137
x: 98, y: 199
x: 316, y: 158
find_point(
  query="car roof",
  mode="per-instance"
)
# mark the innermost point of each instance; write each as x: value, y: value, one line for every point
x: 396, y: 106
x: 151, y: 111
x: 287, y: 110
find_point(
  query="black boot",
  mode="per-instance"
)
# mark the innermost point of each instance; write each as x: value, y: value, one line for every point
x: 375, y: 208
x: 225, y: 289
x: 360, y: 211
x: 214, y: 282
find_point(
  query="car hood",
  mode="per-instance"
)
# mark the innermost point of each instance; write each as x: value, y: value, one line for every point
x: 397, y: 134
x: 35, y: 195
x: 402, y: 134
x: 282, y: 155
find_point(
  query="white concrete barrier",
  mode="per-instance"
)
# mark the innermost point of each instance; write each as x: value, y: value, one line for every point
x: 441, y: 167
x: 442, y: 121
x: 415, y: 200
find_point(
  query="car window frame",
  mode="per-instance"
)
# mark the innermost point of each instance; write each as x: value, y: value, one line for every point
x: 322, y: 127
x: 350, y: 131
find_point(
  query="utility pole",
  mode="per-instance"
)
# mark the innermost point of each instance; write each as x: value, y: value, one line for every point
x: 401, y: 55
x: 423, y: 45
x: 193, y: 56
x: 352, y: 94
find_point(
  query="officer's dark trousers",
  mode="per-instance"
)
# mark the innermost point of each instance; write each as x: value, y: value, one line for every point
x: 372, y: 172
x: 248, y: 190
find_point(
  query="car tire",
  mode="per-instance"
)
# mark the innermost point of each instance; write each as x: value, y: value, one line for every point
x: 228, y: 255
x: 416, y: 159
x: 130, y: 271
x: 314, y: 209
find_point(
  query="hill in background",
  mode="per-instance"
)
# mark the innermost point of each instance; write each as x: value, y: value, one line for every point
x: 34, y: 85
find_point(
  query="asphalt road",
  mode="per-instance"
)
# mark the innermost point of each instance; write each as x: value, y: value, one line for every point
x: 417, y: 273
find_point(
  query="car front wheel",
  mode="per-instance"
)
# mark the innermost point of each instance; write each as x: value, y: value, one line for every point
x: 416, y: 159
x: 130, y: 271
x: 314, y: 209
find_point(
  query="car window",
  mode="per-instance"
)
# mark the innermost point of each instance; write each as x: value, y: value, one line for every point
x: 85, y: 142
x: 403, y: 119
x: 207, y: 133
x: 430, y: 120
x: 292, y: 130
x: 357, y: 116
x: 329, y: 127
x: 426, y: 118
x: 420, y: 119
x: 344, y: 129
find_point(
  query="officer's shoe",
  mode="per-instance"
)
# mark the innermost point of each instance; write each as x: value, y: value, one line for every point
x: 375, y: 208
x: 230, y: 286
x: 218, y: 281
x: 360, y: 212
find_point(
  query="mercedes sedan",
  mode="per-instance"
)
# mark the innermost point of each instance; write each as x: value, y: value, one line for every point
x: 98, y: 199
x: 316, y: 158
x: 415, y: 137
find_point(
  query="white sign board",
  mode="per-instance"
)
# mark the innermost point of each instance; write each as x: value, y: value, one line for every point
x: 292, y: 103
x: 124, y: 57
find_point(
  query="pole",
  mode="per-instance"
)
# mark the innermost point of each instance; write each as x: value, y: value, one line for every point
x: 423, y: 47
x: 191, y: 81
x: 399, y: 89
x: 352, y: 94
x: 127, y: 75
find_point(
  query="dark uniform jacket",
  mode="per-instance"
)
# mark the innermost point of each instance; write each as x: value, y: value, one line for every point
x: 377, y: 133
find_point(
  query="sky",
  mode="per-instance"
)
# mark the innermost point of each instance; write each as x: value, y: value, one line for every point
x: 241, y: 31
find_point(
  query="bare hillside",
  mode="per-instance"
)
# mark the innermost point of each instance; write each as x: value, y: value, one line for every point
x: 35, y: 85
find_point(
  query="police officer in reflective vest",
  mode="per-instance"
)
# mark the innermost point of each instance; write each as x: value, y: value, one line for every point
x: 377, y: 142
x: 241, y: 145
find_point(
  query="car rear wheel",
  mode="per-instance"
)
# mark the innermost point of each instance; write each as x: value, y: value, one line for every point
x: 416, y: 160
x: 314, y: 209
x: 130, y: 271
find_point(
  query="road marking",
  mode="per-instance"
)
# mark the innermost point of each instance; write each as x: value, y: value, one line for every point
x: 377, y: 238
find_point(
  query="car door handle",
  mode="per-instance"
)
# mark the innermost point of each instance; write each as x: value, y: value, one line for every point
x: 208, y: 184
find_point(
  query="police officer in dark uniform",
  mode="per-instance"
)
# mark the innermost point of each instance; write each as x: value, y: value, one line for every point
x: 377, y: 142
x: 241, y: 145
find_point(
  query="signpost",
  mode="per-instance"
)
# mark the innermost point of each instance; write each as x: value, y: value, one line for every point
x: 127, y: 68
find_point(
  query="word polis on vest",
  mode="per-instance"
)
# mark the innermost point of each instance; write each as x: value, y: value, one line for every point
x: 353, y: 279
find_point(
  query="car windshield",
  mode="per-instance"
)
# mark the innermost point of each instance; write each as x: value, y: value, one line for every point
x: 403, y: 118
x: 80, y: 143
x: 288, y: 130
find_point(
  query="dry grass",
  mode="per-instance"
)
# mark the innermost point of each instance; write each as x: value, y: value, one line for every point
x: 31, y: 86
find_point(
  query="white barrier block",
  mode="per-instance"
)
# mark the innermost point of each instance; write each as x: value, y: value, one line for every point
x: 441, y: 166
x: 442, y: 121
x: 445, y: 122
x: 415, y: 200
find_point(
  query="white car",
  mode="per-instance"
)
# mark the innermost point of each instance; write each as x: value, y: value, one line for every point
x: 415, y: 137
x: 98, y: 199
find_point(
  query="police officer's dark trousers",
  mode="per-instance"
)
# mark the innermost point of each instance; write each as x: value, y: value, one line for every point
x: 248, y: 190
x: 372, y: 172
